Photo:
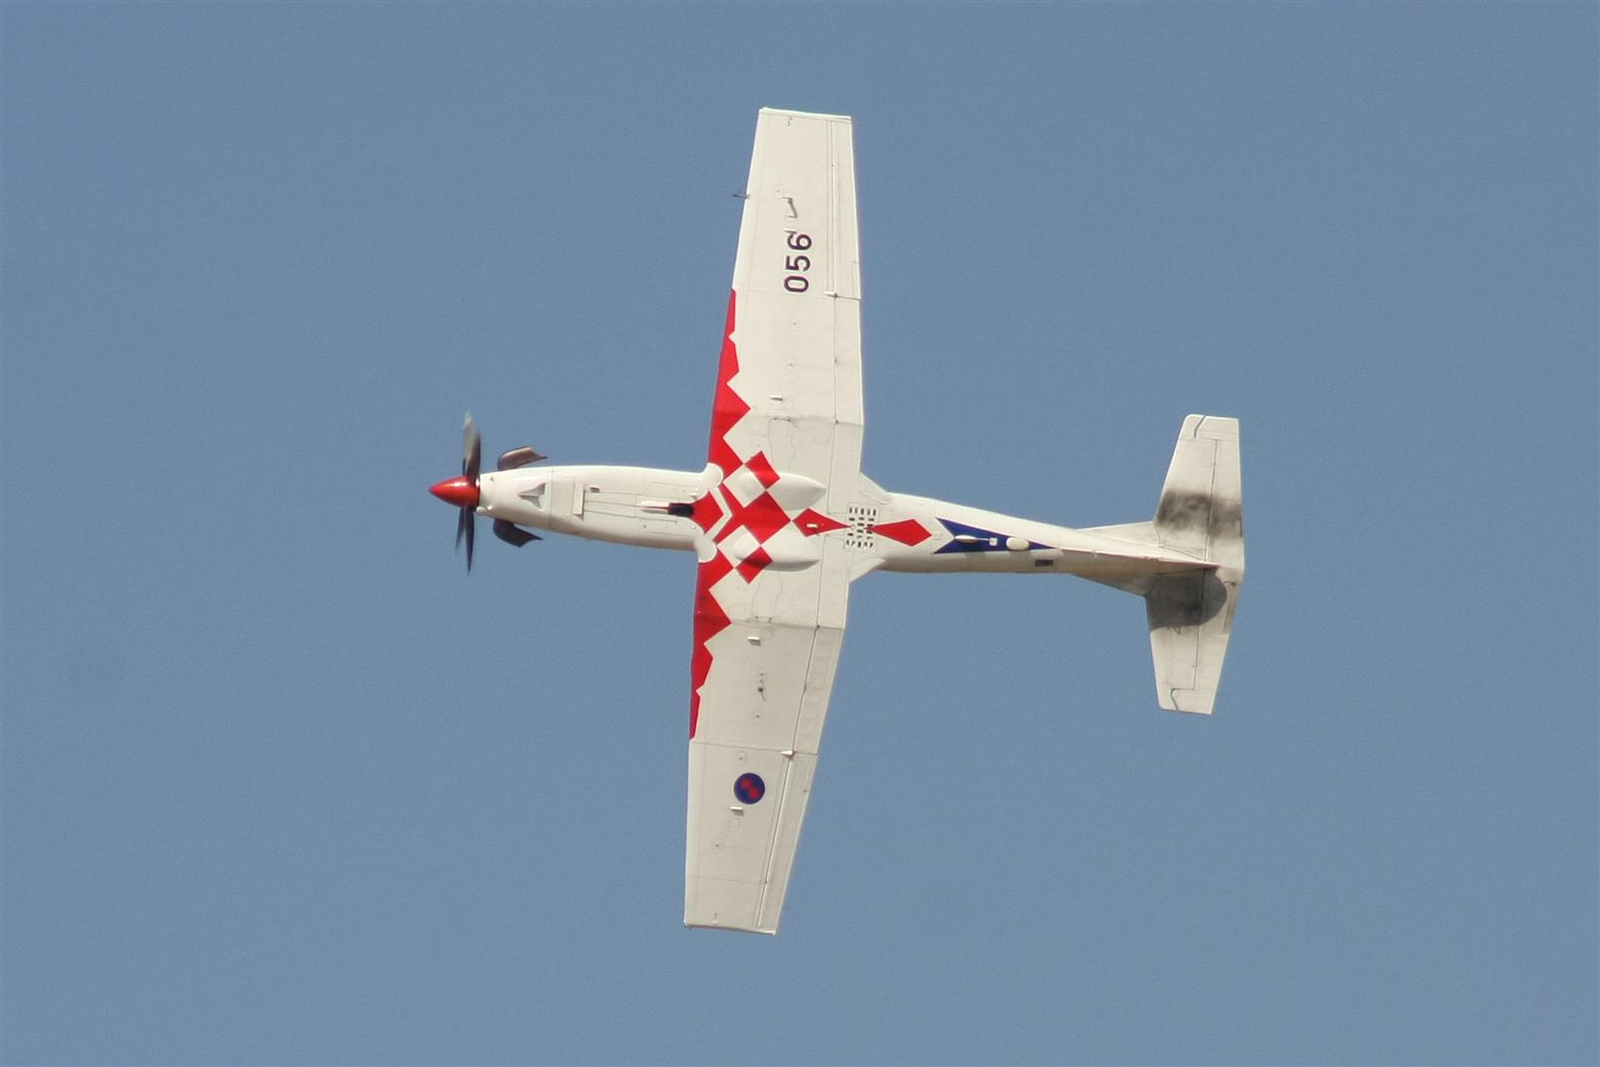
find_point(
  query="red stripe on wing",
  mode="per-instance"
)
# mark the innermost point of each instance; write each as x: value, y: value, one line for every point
x: 709, y: 621
x: 727, y: 407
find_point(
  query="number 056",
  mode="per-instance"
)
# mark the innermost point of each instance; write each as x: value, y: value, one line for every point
x: 795, y: 281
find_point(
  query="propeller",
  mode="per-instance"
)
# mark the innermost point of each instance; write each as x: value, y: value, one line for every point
x: 463, y: 492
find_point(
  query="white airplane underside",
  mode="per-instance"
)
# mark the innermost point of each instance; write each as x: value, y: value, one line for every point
x: 783, y: 521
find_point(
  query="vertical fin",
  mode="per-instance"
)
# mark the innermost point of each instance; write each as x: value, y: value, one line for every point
x: 1191, y: 615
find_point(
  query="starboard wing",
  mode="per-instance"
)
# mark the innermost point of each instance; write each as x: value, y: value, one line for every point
x: 772, y: 587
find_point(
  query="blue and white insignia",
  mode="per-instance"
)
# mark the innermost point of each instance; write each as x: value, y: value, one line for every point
x: 964, y: 538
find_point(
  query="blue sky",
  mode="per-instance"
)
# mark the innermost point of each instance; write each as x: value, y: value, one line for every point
x: 283, y: 785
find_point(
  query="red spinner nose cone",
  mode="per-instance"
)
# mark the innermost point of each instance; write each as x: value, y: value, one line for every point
x: 457, y: 491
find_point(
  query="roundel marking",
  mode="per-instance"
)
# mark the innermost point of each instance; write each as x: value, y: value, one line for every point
x: 749, y: 788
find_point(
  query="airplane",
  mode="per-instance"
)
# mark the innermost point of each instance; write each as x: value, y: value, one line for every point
x: 782, y: 522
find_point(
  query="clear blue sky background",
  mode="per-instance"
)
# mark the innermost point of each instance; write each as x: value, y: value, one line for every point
x: 282, y: 784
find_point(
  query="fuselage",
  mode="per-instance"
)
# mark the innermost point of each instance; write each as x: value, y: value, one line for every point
x: 779, y: 521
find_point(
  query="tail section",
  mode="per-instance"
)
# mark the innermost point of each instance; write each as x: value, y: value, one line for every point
x: 1200, y: 514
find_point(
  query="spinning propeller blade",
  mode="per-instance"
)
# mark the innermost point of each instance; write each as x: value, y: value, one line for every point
x: 463, y: 492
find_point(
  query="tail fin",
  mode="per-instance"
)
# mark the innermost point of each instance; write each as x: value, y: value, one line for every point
x: 1200, y: 513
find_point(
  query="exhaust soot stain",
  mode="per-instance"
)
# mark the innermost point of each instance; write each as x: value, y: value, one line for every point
x: 1217, y: 516
x: 1185, y: 599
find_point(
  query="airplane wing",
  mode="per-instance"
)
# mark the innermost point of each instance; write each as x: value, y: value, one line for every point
x: 791, y: 387
x: 775, y: 570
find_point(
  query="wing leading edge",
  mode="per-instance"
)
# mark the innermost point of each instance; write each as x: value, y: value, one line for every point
x: 773, y: 584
